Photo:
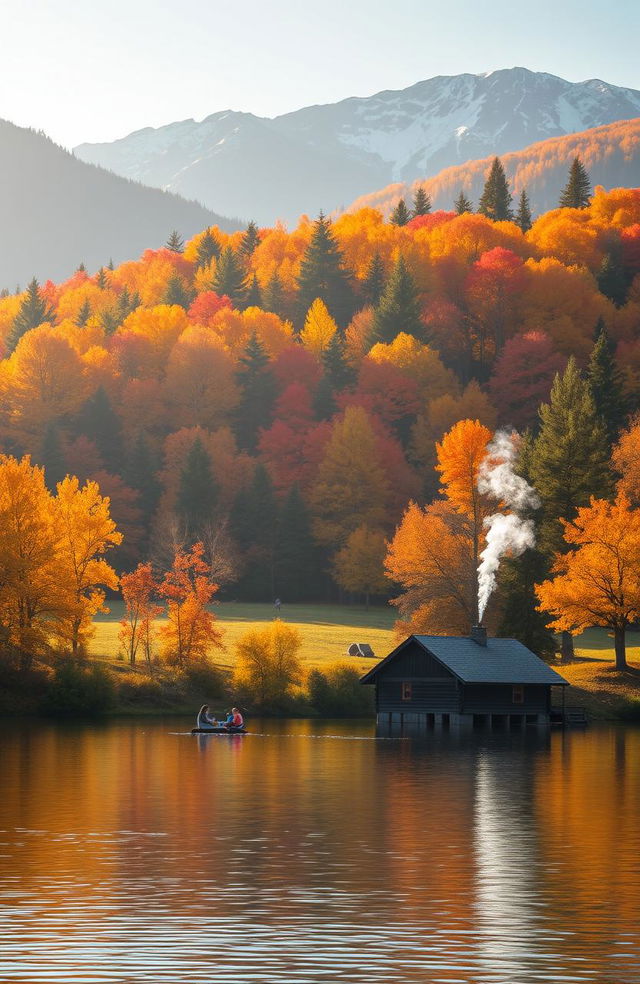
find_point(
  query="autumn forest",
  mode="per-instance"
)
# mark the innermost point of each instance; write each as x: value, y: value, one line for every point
x: 303, y: 414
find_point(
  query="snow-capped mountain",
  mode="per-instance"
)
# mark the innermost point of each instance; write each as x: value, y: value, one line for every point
x: 325, y: 156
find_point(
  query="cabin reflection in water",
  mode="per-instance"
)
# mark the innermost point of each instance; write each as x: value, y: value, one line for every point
x: 462, y: 682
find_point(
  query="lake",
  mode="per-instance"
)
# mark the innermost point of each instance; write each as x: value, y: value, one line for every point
x: 312, y: 852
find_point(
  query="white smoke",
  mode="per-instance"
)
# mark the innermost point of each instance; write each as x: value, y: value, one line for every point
x: 505, y: 532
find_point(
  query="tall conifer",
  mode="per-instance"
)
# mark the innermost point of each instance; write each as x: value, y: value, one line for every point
x: 254, y: 294
x: 462, y: 204
x: 421, y: 202
x: 374, y: 281
x: 400, y: 214
x: 399, y: 307
x: 250, y: 239
x: 208, y: 248
x: 258, y: 389
x: 323, y: 275
x: 229, y: 278
x: 496, y: 199
x: 605, y: 380
x: 197, y: 493
x: 577, y: 191
x: 98, y: 421
x: 523, y: 215
x: 34, y: 310
x: 254, y: 525
x: 297, y: 557
x: 177, y: 292
x: 273, y: 295
x: 175, y: 242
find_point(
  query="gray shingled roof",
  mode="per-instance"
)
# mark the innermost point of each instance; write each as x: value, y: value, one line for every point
x: 500, y: 661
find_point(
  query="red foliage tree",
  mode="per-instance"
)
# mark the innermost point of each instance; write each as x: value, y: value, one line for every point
x: 522, y: 377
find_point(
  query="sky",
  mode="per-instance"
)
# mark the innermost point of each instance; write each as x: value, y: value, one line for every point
x: 89, y: 71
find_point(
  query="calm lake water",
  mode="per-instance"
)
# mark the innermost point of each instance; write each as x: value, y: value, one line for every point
x: 129, y: 852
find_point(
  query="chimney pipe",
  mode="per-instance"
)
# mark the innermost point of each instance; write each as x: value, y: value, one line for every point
x: 479, y: 634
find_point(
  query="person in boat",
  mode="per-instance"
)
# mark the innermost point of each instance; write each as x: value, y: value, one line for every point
x: 234, y: 719
x: 204, y: 719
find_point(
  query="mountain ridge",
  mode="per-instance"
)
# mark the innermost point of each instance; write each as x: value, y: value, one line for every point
x: 326, y: 155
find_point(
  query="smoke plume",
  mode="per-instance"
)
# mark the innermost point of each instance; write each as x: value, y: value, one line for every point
x: 506, y: 533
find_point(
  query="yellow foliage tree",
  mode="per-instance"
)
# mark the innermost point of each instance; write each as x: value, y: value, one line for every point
x: 598, y: 581
x: 421, y: 363
x: 86, y: 532
x: 319, y: 329
x: 351, y: 487
x: 359, y: 565
x: 268, y: 666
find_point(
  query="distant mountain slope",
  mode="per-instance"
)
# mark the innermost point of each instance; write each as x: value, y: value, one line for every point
x: 325, y: 156
x: 610, y: 153
x: 57, y: 211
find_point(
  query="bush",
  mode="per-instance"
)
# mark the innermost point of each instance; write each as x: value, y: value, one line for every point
x: 629, y: 709
x: 268, y: 667
x: 204, y: 678
x: 337, y: 692
x: 78, y: 690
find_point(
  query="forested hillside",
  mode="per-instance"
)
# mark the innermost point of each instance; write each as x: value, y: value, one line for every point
x: 58, y: 211
x: 283, y: 396
x: 611, y: 154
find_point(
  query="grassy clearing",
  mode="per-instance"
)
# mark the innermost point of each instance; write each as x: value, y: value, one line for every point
x: 326, y: 630
x: 594, y: 680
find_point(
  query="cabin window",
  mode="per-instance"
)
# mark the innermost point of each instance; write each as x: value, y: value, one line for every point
x: 406, y: 691
x: 518, y: 695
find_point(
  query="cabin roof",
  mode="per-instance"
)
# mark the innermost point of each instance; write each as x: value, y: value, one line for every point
x: 500, y: 661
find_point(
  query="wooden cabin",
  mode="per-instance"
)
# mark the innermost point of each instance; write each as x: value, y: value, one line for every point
x: 463, y: 681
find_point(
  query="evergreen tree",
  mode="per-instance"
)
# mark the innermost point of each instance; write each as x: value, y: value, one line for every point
x: 254, y: 294
x: 496, y: 199
x: 81, y: 268
x: 110, y: 265
x: 175, y: 242
x: 521, y: 619
x: 523, y: 215
x: 569, y: 461
x: 254, y: 525
x: 110, y: 320
x: 84, y: 313
x: 208, y: 248
x: 51, y: 457
x: 605, y: 380
x: 258, y: 389
x: 297, y: 560
x: 421, y: 202
x: 197, y: 494
x: 250, y: 239
x: 34, y: 310
x: 273, y: 296
x: 336, y: 368
x: 400, y: 214
x: 98, y: 421
x: 140, y: 474
x: 127, y: 303
x: 612, y: 279
x: 463, y: 204
x: 101, y: 279
x: 577, y: 191
x: 374, y: 281
x: 177, y: 292
x: 229, y: 277
x: 323, y: 275
x: 399, y: 307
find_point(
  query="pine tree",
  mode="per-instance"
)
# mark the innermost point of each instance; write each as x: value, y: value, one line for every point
x: 177, y: 292
x: 421, y: 202
x: 463, y: 204
x: 374, y: 281
x: 605, y: 380
x: 198, y: 493
x: 273, y: 296
x: 399, y: 307
x: 569, y: 461
x: 254, y: 525
x: 400, y: 214
x: 523, y: 215
x: 81, y: 268
x: 208, y: 248
x: 34, y: 310
x: 496, y: 199
x: 323, y: 275
x: 577, y: 191
x: 250, y: 239
x: 127, y: 303
x: 297, y: 556
x: 258, y: 388
x: 175, y: 242
x: 229, y: 277
x: 84, y: 313
x: 612, y: 279
x: 254, y: 294
x: 337, y: 375
x: 98, y: 421
x: 140, y: 474
x: 110, y: 265
x: 101, y: 279
x: 51, y: 457
x: 521, y: 619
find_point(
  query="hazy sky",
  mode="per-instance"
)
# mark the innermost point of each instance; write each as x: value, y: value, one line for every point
x: 95, y: 71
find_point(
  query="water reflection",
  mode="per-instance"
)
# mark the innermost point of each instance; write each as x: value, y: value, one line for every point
x: 309, y: 851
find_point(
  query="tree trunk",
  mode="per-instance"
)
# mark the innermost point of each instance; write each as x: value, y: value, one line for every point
x: 620, y: 647
x: 567, y: 651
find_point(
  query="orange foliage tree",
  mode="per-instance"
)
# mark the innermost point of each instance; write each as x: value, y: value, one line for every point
x: 191, y: 628
x: 136, y: 628
x: 598, y: 581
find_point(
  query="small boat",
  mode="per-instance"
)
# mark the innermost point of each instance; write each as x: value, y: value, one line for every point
x: 219, y: 731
